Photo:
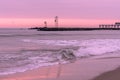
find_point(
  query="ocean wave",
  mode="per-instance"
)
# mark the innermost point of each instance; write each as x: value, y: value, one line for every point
x: 69, y: 50
x: 90, y: 47
x: 28, y: 59
x: 53, y: 42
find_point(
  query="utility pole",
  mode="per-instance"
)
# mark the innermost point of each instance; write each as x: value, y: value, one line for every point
x: 56, y: 21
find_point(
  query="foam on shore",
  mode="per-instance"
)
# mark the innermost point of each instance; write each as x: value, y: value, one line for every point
x: 27, y: 59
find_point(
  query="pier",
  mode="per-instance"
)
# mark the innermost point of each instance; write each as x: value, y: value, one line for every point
x: 115, y: 26
x: 110, y: 26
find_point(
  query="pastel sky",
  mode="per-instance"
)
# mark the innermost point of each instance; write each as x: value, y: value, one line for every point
x: 29, y: 13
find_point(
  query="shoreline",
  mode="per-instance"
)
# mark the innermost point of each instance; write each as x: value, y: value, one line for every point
x: 83, y: 69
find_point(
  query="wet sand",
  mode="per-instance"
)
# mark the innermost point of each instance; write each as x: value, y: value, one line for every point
x: 83, y: 69
x: 111, y: 75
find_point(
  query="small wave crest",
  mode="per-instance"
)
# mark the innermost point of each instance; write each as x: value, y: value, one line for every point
x: 28, y: 59
x: 52, y: 42
x: 98, y: 47
x: 86, y: 47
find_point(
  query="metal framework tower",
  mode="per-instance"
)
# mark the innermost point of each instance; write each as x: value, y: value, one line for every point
x: 56, y: 21
x: 45, y: 23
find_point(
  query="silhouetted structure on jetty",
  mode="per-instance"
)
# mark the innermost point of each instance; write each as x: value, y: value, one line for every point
x: 72, y: 29
x: 45, y: 23
x: 65, y: 29
x: 56, y: 21
x: 115, y: 26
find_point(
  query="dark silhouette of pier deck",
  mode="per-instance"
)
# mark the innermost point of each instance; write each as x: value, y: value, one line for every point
x: 72, y: 29
x: 115, y: 26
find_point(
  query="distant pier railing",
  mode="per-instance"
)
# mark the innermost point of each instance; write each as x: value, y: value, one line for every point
x: 116, y: 25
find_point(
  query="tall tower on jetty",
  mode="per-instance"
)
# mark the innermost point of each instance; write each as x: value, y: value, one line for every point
x: 56, y: 21
x: 45, y: 23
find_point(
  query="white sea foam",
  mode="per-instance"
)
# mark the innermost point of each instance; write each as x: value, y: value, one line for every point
x: 28, y: 60
x: 99, y: 47
x: 86, y: 47
x: 52, y: 42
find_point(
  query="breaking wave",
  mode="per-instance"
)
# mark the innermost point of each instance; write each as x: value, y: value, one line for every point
x: 69, y: 50
x: 86, y: 47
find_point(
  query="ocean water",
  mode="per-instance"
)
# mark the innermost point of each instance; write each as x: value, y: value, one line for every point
x: 23, y: 49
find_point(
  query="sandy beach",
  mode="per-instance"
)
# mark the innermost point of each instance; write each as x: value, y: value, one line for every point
x: 111, y: 75
x: 83, y: 69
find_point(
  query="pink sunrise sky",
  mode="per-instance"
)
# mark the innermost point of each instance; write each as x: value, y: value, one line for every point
x: 29, y: 13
